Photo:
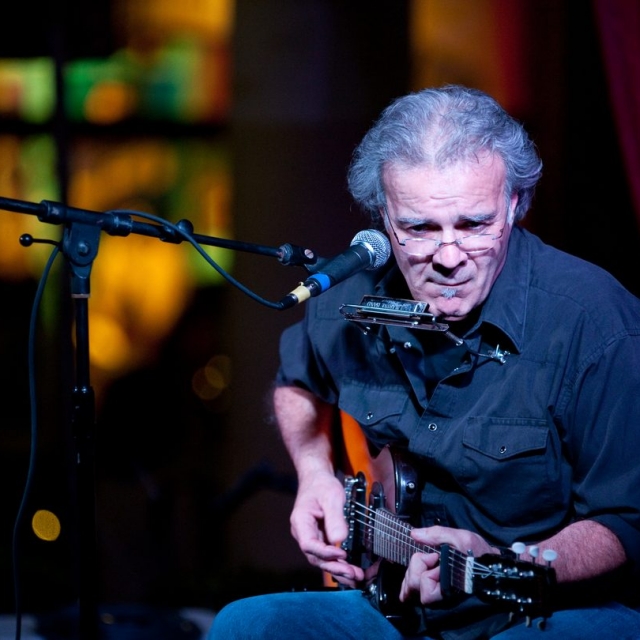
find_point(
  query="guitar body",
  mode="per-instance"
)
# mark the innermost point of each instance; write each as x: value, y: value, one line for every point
x: 380, y: 515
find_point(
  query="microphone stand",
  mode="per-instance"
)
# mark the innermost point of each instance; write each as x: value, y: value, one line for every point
x: 80, y: 243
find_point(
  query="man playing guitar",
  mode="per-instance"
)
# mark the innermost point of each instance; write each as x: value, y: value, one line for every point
x: 519, y: 402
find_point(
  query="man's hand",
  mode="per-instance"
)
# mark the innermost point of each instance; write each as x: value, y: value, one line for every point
x: 319, y: 526
x: 422, y: 578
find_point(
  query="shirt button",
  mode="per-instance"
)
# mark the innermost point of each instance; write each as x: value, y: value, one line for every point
x: 392, y: 350
x: 407, y: 345
x: 370, y: 415
x: 433, y: 427
x: 503, y: 449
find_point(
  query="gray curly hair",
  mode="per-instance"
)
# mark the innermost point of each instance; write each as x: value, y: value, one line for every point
x: 438, y: 127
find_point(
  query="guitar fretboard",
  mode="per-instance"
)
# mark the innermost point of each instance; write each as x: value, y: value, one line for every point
x: 391, y: 539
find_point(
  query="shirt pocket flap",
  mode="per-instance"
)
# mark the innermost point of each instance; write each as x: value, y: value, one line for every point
x: 370, y: 407
x: 503, y: 438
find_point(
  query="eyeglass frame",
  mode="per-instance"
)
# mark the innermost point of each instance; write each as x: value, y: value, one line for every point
x: 438, y: 243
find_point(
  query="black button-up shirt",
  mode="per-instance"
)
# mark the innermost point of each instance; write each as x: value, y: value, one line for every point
x: 512, y: 451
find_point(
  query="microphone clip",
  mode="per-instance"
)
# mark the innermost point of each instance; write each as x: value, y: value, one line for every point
x: 292, y: 255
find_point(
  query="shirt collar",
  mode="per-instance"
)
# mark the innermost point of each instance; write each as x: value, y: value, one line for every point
x: 506, y: 306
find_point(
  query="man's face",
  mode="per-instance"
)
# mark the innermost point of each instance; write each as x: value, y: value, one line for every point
x: 464, y: 199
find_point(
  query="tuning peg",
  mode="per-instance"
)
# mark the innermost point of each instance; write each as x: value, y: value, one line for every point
x: 518, y: 548
x: 549, y: 555
x: 534, y: 551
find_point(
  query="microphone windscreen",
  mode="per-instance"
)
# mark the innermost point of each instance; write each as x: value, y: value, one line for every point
x: 377, y: 242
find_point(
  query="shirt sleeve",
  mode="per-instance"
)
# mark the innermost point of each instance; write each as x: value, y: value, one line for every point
x: 300, y: 364
x: 604, y: 435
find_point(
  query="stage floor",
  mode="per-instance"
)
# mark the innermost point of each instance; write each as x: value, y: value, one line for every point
x: 196, y: 623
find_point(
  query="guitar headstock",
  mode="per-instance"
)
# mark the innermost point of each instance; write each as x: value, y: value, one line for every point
x: 520, y: 587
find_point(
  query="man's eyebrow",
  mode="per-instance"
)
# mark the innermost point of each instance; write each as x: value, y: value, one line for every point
x: 478, y: 217
x: 463, y: 217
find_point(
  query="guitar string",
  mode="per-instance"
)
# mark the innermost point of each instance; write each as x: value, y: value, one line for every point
x: 398, y: 531
x: 458, y: 567
x: 368, y: 518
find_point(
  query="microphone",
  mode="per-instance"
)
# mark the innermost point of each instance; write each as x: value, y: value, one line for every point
x: 369, y: 249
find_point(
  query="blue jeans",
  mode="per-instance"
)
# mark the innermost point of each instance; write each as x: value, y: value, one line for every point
x: 347, y: 615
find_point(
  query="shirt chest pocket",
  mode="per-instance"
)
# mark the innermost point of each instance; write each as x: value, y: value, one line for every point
x: 510, y: 469
x: 377, y: 410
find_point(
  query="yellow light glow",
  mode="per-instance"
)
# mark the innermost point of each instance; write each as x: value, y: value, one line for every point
x: 453, y: 41
x: 110, y: 347
x: 46, y: 525
x: 142, y: 285
x: 479, y: 43
x: 210, y: 381
x: 211, y: 19
x: 109, y: 102
x: 119, y: 173
x: 202, y: 388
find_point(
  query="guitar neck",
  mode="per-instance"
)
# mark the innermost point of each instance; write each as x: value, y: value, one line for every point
x: 392, y: 541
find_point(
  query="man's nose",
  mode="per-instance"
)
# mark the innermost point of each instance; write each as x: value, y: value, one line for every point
x: 449, y: 255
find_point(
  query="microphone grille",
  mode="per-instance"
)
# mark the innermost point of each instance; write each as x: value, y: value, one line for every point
x: 377, y: 243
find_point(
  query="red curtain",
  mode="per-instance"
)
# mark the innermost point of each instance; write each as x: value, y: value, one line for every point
x: 618, y: 23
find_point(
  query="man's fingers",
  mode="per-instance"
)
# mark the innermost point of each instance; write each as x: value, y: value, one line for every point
x: 342, y: 572
x: 422, y: 579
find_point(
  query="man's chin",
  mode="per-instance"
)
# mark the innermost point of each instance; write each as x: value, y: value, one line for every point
x: 452, y: 318
x: 450, y: 311
x: 450, y: 307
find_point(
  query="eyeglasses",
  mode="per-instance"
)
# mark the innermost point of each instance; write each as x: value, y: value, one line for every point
x: 427, y: 245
